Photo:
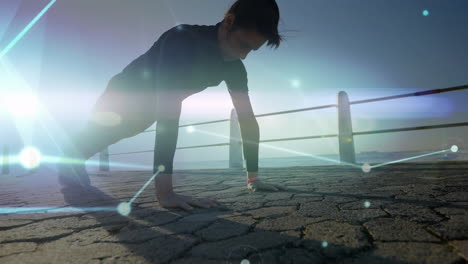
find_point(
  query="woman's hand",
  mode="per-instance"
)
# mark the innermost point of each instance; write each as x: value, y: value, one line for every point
x: 263, y: 186
x: 185, y: 202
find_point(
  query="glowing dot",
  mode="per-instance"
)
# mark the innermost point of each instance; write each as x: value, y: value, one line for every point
x: 146, y: 74
x: 347, y: 139
x: 295, y: 83
x: 324, y: 244
x: 107, y: 118
x: 245, y: 261
x: 366, y: 167
x: 124, y: 208
x: 30, y: 157
x: 425, y: 12
x: 161, y: 168
x: 190, y: 129
x: 454, y: 148
x: 180, y: 27
x: 366, y: 204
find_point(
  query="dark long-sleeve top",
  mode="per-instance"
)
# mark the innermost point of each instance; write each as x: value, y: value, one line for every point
x: 186, y: 60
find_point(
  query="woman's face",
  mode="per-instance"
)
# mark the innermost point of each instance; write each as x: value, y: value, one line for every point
x: 237, y: 44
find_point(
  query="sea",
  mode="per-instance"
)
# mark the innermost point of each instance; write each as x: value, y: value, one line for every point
x: 372, y: 158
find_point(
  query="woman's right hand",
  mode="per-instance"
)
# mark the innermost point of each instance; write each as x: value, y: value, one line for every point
x: 185, y: 202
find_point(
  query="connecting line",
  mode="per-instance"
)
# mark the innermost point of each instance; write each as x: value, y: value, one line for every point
x: 143, y: 188
x: 23, y: 32
x: 123, y: 165
x: 124, y: 208
x: 312, y: 156
x: 52, y: 159
x: 405, y: 159
x: 29, y: 210
x: 288, y: 150
x: 365, y: 167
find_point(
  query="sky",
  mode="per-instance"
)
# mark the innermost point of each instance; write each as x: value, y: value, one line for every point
x: 368, y: 48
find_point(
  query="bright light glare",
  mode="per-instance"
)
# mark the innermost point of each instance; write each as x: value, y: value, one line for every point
x: 30, y: 157
x: 21, y: 105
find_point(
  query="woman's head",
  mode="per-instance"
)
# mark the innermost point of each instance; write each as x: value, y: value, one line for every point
x: 247, y: 25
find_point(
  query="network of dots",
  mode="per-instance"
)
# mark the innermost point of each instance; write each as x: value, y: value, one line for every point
x: 146, y: 74
x: 30, y: 157
x: 295, y: 83
x: 190, y: 129
x: 454, y: 148
x: 366, y: 167
x: 124, y: 208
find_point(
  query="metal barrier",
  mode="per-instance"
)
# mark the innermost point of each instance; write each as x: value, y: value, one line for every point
x: 5, y: 161
x: 345, y: 132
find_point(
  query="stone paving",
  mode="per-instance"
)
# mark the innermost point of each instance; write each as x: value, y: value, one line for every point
x: 401, y: 213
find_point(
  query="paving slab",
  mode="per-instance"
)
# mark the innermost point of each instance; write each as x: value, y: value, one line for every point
x: 400, y: 213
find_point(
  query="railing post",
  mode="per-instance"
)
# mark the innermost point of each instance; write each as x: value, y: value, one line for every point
x: 5, y: 161
x: 345, y: 134
x: 104, y: 160
x: 235, y: 144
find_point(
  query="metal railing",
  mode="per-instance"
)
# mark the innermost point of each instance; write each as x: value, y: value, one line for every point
x: 345, y: 132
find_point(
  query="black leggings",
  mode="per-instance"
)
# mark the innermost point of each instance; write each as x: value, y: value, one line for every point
x: 120, y: 112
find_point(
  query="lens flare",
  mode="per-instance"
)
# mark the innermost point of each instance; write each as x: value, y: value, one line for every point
x: 30, y: 157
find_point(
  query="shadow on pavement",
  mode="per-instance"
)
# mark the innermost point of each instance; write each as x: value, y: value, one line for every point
x: 176, y: 236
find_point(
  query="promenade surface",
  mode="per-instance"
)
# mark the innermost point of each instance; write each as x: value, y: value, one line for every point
x: 401, y: 213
